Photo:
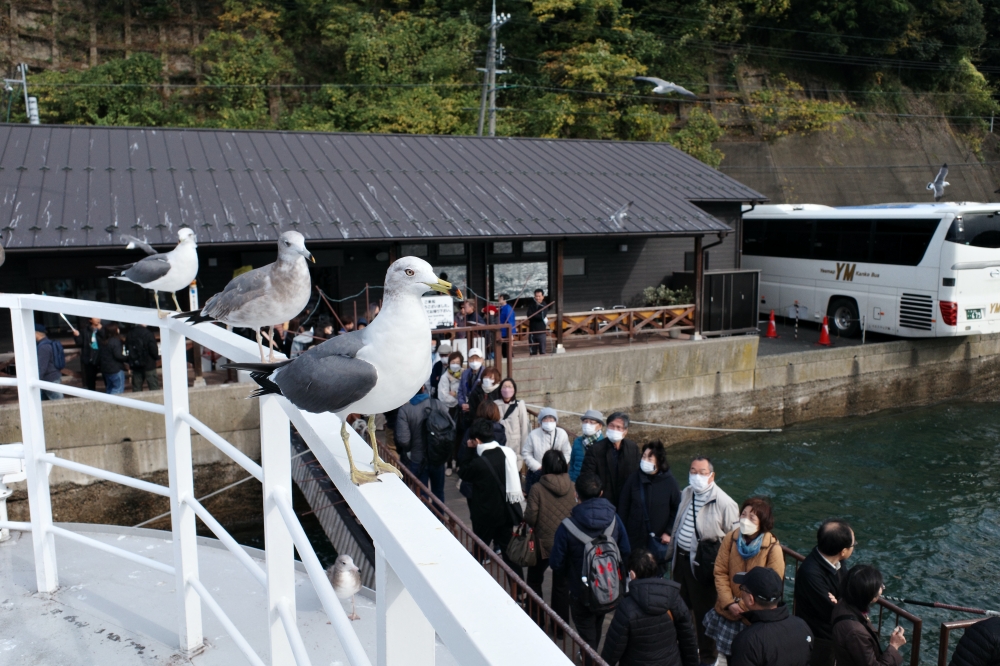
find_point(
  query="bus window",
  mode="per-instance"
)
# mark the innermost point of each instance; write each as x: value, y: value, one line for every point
x: 788, y: 238
x: 902, y: 242
x: 753, y: 237
x: 842, y: 240
x: 977, y: 230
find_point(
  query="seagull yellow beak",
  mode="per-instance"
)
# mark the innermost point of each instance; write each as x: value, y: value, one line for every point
x: 312, y: 258
x: 440, y: 286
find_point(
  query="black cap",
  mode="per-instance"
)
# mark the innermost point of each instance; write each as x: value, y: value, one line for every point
x: 761, y: 582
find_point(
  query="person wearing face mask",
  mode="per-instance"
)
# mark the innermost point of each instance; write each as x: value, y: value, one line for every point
x: 450, y: 380
x: 855, y: 640
x: 439, y: 367
x: 750, y: 545
x: 487, y: 390
x: 613, y: 458
x: 470, y: 381
x: 514, y: 417
x: 547, y: 436
x: 649, y: 502
x: 706, y: 514
x: 592, y: 429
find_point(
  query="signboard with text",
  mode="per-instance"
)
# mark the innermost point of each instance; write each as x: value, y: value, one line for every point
x: 439, y: 310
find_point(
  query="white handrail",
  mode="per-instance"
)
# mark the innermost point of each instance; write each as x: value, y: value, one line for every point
x: 220, y: 443
x: 139, y: 484
x: 294, y: 637
x: 352, y: 645
x: 96, y: 396
x: 15, y: 525
x: 114, y: 550
x: 226, y: 538
x: 221, y: 616
x: 4, y: 381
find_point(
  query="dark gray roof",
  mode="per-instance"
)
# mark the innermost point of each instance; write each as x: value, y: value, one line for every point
x: 74, y: 186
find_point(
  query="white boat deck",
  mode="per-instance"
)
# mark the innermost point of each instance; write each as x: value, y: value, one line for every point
x: 100, y: 595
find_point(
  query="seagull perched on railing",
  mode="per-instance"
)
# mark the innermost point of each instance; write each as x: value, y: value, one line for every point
x: 939, y: 183
x: 371, y: 371
x: 345, y: 576
x: 169, y: 271
x: 264, y: 296
x: 665, y: 87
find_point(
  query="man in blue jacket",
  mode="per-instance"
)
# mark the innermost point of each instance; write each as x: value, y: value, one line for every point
x: 592, y: 515
x: 506, y: 317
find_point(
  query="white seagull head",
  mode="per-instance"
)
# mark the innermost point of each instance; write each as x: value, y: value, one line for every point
x: 292, y: 245
x: 345, y: 563
x: 415, y: 276
x: 185, y: 234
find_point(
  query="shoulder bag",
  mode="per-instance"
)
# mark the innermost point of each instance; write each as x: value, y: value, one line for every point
x: 706, y: 554
x: 521, y: 549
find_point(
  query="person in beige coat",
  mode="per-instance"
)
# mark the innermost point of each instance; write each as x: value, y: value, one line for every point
x: 550, y: 502
x: 750, y: 545
x: 448, y: 384
x: 514, y: 417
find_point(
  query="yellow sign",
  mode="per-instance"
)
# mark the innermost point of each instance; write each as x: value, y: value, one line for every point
x: 846, y: 272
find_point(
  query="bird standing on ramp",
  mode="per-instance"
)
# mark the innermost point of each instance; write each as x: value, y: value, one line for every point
x: 169, y: 271
x: 345, y: 576
x: 664, y: 87
x: 939, y: 183
x: 371, y: 371
x: 264, y: 296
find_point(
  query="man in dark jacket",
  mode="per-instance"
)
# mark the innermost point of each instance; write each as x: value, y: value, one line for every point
x: 90, y: 340
x: 142, y: 354
x: 658, y: 512
x: 47, y: 370
x: 592, y: 515
x: 411, y: 440
x: 818, y: 582
x: 774, y: 637
x: 652, y: 625
x: 980, y: 645
x: 612, y: 458
x: 537, y: 326
x: 440, y: 367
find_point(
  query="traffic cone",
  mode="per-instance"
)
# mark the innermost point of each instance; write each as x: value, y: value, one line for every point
x: 824, y: 333
x: 772, y: 329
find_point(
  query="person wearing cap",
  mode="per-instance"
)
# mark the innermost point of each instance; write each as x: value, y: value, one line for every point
x: 613, y: 458
x: 775, y: 637
x: 652, y: 624
x: 592, y: 426
x: 439, y: 367
x: 547, y: 436
x: 47, y: 370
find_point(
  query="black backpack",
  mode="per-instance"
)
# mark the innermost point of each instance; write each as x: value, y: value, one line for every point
x: 138, y: 355
x: 439, y: 434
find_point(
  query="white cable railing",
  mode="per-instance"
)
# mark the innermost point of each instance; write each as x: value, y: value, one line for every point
x: 428, y: 584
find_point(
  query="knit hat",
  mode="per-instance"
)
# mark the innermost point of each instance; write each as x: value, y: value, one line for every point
x: 444, y: 349
x: 475, y: 352
x: 546, y: 412
x: 40, y: 328
x: 593, y: 415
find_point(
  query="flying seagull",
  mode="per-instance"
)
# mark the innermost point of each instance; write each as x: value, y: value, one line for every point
x: 664, y: 87
x: 617, y: 218
x: 169, y: 271
x: 345, y: 577
x: 261, y: 297
x: 371, y: 371
x: 939, y: 183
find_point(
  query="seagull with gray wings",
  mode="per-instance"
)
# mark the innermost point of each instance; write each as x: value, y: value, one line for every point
x: 939, y: 183
x: 264, y: 296
x: 370, y: 371
x: 664, y: 87
x: 169, y: 271
x: 345, y: 576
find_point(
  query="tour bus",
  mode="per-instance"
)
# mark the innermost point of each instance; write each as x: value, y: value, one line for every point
x: 913, y: 270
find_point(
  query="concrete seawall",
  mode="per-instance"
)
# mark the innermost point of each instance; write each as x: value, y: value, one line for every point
x: 724, y: 383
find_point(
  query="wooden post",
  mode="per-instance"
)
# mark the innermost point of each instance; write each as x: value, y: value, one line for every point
x: 699, y: 280
x: 559, y: 246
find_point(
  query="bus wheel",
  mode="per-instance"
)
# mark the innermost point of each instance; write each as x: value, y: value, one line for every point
x: 844, y: 317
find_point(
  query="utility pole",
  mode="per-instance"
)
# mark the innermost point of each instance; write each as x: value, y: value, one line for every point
x: 490, y: 74
x: 30, y: 103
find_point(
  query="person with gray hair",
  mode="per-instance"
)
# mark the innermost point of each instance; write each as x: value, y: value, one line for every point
x: 592, y: 425
x: 547, y: 436
x: 613, y: 458
x: 705, y: 516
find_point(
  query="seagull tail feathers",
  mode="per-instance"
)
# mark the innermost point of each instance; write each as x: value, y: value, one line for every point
x: 260, y: 373
x: 193, y: 317
x: 118, y: 270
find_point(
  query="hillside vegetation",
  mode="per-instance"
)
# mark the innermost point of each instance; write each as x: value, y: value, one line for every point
x: 410, y: 66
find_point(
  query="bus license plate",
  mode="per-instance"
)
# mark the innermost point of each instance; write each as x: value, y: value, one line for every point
x: 974, y: 314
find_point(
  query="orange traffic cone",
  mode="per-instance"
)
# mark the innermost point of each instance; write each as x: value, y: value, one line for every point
x: 772, y: 329
x: 824, y: 333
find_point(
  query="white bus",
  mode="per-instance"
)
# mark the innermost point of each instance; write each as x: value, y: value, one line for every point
x: 913, y: 270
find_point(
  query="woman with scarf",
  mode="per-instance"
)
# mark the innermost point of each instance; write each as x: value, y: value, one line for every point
x: 855, y: 640
x: 749, y: 545
x: 513, y: 417
x: 592, y: 427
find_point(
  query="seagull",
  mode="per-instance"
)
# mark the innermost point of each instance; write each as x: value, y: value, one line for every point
x: 273, y: 293
x: 617, y: 218
x: 665, y: 87
x: 345, y: 576
x: 370, y: 371
x: 137, y: 243
x: 169, y: 271
x: 939, y: 183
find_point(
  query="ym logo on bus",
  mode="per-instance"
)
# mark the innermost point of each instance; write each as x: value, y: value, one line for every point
x: 846, y: 272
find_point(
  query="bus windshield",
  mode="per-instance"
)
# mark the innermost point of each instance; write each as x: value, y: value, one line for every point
x: 976, y: 230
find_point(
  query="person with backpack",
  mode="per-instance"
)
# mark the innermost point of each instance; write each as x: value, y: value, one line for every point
x: 51, y: 360
x: 546, y: 437
x: 588, y: 549
x: 652, y: 625
x: 142, y: 354
x: 424, y: 435
x: 90, y: 341
x: 113, y: 360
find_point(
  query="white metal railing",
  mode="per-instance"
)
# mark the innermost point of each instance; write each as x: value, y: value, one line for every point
x: 427, y: 583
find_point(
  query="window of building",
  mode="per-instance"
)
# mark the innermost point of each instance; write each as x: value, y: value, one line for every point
x: 520, y: 280
x: 451, y: 250
x: 505, y: 247
x: 533, y: 247
x: 413, y: 250
x: 689, y: 261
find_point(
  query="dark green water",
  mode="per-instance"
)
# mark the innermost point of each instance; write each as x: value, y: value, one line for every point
x: 920, y: 487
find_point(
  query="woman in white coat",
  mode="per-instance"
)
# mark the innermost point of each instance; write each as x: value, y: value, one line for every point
x: 448, y: 384
x: 547, y: 436
x: 514, y: 417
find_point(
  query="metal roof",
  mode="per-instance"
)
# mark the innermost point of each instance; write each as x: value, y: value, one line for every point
x: 78, y: 186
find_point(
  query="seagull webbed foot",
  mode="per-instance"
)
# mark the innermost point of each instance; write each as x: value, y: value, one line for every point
x: 358, y: 477
x: 379, y: 465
